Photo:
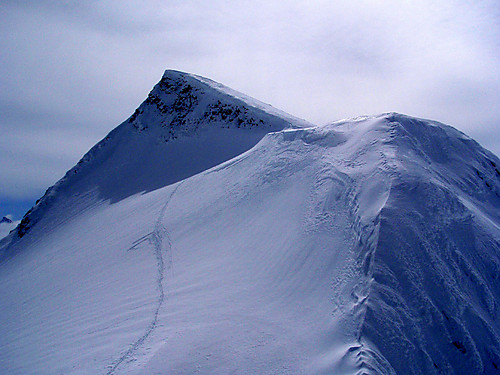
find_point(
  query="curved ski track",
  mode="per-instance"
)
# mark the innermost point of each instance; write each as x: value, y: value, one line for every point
x: 156, y: 239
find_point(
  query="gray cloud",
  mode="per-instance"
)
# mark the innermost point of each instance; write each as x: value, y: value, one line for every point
x: 73, y: 70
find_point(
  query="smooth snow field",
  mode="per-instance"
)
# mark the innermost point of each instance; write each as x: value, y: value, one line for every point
x: 366, y: 246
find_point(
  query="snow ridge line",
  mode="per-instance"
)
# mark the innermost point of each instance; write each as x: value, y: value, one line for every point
x: 369, y: 360
x: 155, y: 238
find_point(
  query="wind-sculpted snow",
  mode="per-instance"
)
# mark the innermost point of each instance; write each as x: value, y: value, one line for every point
x: 367, y: 246
x: 433, y: 290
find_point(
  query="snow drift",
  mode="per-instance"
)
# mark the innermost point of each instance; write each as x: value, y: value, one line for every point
x: 211, y: 233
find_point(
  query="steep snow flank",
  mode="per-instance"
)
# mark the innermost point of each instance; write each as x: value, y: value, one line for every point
x: 186, y: 125
x: 430, y: 249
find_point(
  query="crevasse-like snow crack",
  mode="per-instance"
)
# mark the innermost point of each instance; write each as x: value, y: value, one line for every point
x: 156, y: 239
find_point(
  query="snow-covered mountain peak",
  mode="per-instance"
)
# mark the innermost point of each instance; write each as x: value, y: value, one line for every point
x: 413, y: 150
x: 432, y: 140
x: 6, y: 219
x: 186, y: 125
x: 7, y: 223
x: 182, y: 103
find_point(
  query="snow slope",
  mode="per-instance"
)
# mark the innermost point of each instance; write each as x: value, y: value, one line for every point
x: 186, y: 125
x: 365, y: 246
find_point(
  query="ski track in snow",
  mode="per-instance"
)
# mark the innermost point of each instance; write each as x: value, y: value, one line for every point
x: 155, y: 238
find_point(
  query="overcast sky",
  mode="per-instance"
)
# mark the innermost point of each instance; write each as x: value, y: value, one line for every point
x: 73, y: 70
